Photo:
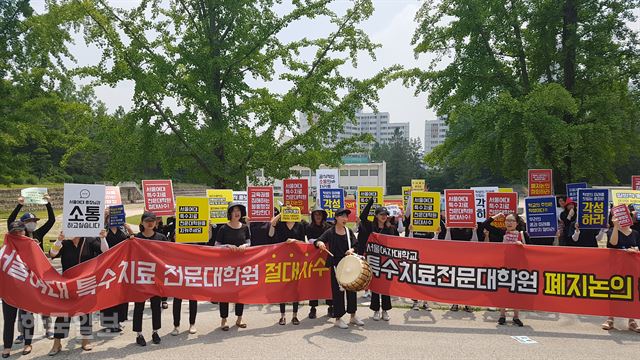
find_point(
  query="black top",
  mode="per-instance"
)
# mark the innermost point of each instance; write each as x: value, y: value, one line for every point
x: 624, y: 241
x: 586, y: 238
x: 500, y: 232
x: 337, y: 244
x: 260, y: 233
x: 368, y: 227
x: 314, y: 231
x: 230, y: 236
x: 283, y: 232
x: 423, y: 235
x: 40, y: 232
x: 116, y: 238
x: 69, y: 253
x: 156, y: 236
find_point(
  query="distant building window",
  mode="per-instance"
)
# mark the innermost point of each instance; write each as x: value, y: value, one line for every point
x: 304, y: 172
x: 364, y: 172
x: 344, y: 172
x: 373, y: 172
x: 354, y: 173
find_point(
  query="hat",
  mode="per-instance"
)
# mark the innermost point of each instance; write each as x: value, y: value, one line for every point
x: 382, y: 210
x: 29, y: 217
x: 342, y: 211
x: 148, y: 215
x: 569, y: 201
x: 243, y: 210
x: 16, y: 226
x: 320, y: 210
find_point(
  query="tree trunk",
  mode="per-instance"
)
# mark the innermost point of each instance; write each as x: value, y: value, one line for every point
x: 569, y: 46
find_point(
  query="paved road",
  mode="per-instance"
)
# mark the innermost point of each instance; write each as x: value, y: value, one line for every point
x: 440, y: 334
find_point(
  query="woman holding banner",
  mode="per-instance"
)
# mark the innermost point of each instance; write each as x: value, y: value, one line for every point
x: 235, y: 236
x: 623, y: 238
x: 457, y: 234
x: 567, y: 217
x: 512, y: 234
x: 314, y: 230
x: 148, y: 232
x: 288, y: 232
x: 342, y: 242
x: 71, y: 253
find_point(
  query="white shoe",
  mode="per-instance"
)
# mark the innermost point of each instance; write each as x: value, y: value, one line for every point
x: 376, y: 316
x: 341, y: 324
x: 385, y: 316
x: 192, y: 329
x: 356, y: 321
x: 175, y: 331
x: 415, y: 306
x: 426, y: 307
x: 367, y: 294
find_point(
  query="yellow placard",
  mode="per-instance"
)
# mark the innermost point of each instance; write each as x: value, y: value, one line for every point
x: 505, y: 190
x: 290, y: 214
x: 418, y: 185
x: 192, y: 223
x: 219, y: 200
x: 367, y: 192
x: 625, y: 197
x: 425, y: 211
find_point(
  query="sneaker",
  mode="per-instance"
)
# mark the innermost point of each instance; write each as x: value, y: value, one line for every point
x: 415, y: 306
x: 341, y: 324
x: 141, y: 341
x: 312, y: 313
x: 356, y: 321
x: 385, y: 316
x: 192, y: 329
x: 49, y: 335
x: 175, y: 331
x: 502, y: 320
x: 454, y: 308
x: 19, y: 339
x: 165, y: 305
x: 156, y: 338
x: 517, y: 321
x: 367, y: 294
x: 467, y: 309
x: 426, y: 307
x: 376, y: 316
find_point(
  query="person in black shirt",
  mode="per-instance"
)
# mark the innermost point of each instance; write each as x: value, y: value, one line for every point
x: 314, y: 230
x: 624, y: 238
x: 148, y: 224
x: 234, y: 236
x: 71, y: 253
x: 379, y: 225
x: 456, y: 234
x: 585, y: 237
x: 288, y: 232
x: 567, y: 217
x: 10, y: 313
x: 342, y: 242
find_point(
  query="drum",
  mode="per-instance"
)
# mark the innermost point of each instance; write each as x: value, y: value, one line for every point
x: 353, y: 273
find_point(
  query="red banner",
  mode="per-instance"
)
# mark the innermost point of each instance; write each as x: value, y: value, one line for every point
x: 601, y: 282
x: 621, y: 212
x: 137, y: 269
x: 505, y: 203
x: 296, y: 194
x: 260, y: 203
x: 635, y: 182
x: 158, y: 197
x: 540, y: 182
x: 460, y: 208
x: 351, y: 205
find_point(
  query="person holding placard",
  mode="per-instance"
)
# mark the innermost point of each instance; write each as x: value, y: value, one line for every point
x: 457, y: 234
x: 71, y: 253
x: 314, y: 230
x: 585, y: 237
x: 148, y: 232
x: 235, y: 236
x: 288, y: 232
x: 380, y: 225
x: 342, y: 242
x: 567, y: 217
x: 32, y: 230
x: 513, y: 234
x: 623, y: 238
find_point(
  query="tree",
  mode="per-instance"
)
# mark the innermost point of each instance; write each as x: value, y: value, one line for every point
x: 530, y: 84
x: 214, y: 60
x: 404, y: 161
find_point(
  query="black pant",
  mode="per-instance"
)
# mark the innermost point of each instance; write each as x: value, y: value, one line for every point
x: 177, y: 307
x: 314, y: 303
x: 375, y: 302
x: 283, y: 308
x: 61, y: 328
x: 9, y: 314
x: 338, y: 298
x: 112, y: 317
x: 156, y: 313
x: 224, y: 310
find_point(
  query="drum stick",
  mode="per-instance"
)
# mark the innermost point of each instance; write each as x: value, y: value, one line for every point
x: 328, y: 252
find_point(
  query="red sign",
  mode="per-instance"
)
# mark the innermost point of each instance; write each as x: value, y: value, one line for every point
x: 621, y: 212
x: 460, y: 208
x: 506, y: 203
x: 635, y: 182
x: 158, y: 197
x: 540, y: 182
x: 260, y: 203
x: 351, y: 205
x: 112, y: 196
x: 574, y: 280
x: 296, y: 193
x: 137, y: 269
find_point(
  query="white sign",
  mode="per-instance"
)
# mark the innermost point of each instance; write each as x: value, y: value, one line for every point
x: 524, y: 340
x: 83, y: 210
x: 481, y: 201
x: 34, y: 195
x: 327, y: 179
x: 241, y: 197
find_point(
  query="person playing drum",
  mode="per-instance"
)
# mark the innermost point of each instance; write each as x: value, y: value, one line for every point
x: 342, y: 242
